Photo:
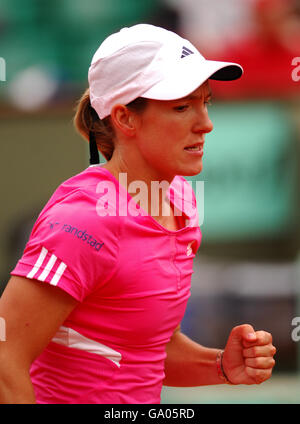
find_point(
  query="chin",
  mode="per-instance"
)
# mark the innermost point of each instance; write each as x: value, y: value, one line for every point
x: 186, y: 171
x: 190, y: 172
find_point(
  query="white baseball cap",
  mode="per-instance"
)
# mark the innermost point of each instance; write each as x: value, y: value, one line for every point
x: 151, y: 62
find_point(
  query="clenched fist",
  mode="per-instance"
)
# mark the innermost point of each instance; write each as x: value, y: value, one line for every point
x: 248, y: 355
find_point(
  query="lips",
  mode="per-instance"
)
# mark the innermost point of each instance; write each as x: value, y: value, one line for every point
x: 194, y: 147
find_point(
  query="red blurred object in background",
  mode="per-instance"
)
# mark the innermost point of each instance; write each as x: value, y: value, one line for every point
x: 269, y: 55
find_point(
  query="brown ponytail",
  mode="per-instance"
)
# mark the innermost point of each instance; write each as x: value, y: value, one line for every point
x: 84, y: 121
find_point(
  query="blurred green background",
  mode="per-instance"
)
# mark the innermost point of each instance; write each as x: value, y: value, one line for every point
x: 247, y: 269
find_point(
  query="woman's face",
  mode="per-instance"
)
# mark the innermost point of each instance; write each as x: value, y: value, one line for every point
x: 170, y: 134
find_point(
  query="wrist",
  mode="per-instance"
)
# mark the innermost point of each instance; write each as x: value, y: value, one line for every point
x: 220, y: 369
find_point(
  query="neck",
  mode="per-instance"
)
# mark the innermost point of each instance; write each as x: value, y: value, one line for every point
x: 147, y: 189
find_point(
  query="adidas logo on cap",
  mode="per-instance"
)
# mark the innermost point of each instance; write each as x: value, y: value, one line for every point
x: 186, y: 52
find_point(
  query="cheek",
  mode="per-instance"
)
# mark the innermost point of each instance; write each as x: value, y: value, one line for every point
x: 161, y: 134
x: 168, y: 135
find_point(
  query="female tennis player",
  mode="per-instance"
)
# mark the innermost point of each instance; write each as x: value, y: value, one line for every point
x: 94, y: 305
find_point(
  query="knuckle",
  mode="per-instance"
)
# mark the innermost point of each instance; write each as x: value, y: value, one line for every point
x: 268, y: 374
x: 269, y: 363
x: 269, y: 336
x: 260, y: 376
x: 266, y: 335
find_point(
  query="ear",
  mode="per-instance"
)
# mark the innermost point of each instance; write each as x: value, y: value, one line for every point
x: 123, y: 120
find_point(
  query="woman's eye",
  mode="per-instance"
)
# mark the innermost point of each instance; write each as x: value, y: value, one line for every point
x: 181, y: 108
x: 208, y: 103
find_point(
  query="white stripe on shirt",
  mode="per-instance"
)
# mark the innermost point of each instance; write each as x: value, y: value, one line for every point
x: 47, y: 268
x: 59, y: 272
x: 38, y: 263
x: 69, y: 337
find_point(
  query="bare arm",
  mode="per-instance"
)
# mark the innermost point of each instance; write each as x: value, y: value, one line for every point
x: 33, y: 311
x: 189, y: 364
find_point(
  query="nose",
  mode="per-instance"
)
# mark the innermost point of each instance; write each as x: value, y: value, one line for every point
x: 204, y: 124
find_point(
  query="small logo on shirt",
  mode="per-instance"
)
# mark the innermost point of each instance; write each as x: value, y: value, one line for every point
x: 53, y: 224
x: 189, y: 249
x: 80, y: 234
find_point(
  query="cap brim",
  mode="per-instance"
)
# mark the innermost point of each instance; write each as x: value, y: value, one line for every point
x: 226, y: 71
x: 192, y: 72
